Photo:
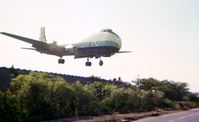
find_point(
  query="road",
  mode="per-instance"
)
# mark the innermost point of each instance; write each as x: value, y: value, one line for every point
x: 184, y: 116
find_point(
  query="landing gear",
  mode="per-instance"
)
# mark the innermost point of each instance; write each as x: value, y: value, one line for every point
x: 101, y: 62
x: 61, y: 61
x: 88, y: 63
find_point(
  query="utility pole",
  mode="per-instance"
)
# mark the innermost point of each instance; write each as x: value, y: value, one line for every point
x: 138, y: 81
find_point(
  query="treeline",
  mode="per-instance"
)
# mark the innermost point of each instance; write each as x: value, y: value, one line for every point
x: 43, y: 96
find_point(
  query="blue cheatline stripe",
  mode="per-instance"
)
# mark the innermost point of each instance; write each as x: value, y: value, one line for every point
x: 97, y: 44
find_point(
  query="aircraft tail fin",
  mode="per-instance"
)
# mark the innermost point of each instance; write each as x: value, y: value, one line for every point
x: 42, y: 36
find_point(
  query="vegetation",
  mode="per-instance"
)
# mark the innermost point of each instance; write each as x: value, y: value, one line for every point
x: 43, y: 96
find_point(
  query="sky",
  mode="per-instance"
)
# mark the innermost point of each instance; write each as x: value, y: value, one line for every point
x: 163, y: 36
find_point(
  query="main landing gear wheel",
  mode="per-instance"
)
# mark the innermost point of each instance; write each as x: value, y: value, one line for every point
x: 88, y: 63
x: 101, y: 63
x: 61, y: 61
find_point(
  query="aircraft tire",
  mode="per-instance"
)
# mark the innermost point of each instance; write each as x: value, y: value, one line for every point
x: 62, y: 61
x: 59, y: 61
x: 101, y: 63
x: 88, y: 63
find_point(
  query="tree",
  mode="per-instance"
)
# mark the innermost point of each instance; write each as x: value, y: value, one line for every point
x: 43, y: 96
x: 174, y: 90
x: 10, y: 110
x: 83, y: 100
x: 148, y: 84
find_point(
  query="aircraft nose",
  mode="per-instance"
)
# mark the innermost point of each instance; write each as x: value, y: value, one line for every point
x: 119, y: 42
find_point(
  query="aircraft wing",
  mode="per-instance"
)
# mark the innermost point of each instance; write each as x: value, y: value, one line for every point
x: 124, y: 52
x: 28, y: 40
x: 28, y: 48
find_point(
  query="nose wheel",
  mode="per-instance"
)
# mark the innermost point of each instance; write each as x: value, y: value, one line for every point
x: 61, y: 61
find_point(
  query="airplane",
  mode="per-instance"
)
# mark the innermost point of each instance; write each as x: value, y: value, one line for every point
x: 101, y: 44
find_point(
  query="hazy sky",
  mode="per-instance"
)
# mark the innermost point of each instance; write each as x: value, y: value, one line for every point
x: 163, y: 35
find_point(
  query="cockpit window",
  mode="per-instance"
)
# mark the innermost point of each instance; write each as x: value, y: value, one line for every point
x: 110, y: 31
x: 107, y: 30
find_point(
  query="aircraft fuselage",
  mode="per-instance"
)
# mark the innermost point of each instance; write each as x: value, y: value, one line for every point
x: 102, y: 44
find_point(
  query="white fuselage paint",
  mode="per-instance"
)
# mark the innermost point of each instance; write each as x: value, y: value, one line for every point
x: 104, y: 43
x: 102, y: 38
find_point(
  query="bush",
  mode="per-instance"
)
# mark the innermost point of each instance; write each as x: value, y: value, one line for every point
x: 166, y: 103
x: 42, y: 96
x: 10, y: 109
